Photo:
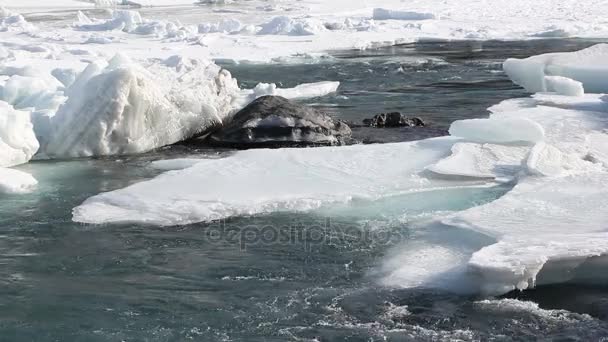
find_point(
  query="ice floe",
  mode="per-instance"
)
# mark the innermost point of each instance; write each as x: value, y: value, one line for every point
x: 499, y: 130
x: 241, y: 184
x: 589, y: 67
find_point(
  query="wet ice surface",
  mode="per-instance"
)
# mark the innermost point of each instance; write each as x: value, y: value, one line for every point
x: 313, y: 276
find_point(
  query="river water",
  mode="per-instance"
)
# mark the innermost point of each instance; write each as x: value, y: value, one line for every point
x: 309, y: 277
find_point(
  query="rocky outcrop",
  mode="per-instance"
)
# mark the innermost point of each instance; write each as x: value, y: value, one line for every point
x: 273, y: 121
x: 394, y: 119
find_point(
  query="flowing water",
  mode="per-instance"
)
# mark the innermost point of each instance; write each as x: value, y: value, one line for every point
x: 319, y: 276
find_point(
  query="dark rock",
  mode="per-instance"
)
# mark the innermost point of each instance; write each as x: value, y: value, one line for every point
x: 273, y: 121
x: 394, y: 119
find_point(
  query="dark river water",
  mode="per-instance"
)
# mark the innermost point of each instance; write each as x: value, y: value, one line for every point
x: 61, y: 281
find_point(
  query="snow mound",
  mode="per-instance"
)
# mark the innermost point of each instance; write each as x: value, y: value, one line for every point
x: 121, y: 20
x: 498, y: 130
x: 241, y: 184
x: 13, y: 22
x: 387, y: 14
x: 18, y: 144
x: 125, y: 108
x: 16, y: 182
x: 224, y: 26
x: 589, y: 67
x: 132, y: 22
x: 288, y: 26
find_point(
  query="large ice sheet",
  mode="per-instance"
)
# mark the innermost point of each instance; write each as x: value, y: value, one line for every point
x: 550, y: 228
x: 589, y: 67
x: 262, y: 181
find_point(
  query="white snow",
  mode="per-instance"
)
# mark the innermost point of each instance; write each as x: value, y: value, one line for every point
x: 588, y: 66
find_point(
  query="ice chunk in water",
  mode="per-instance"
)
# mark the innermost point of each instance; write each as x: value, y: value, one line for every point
x: 16, y: 182
x: 17, y: 140
x: 498, y: 130
x: 589, y: 66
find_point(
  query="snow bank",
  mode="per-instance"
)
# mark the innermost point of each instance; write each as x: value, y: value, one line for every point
x: 132, y: 22
x: 589, y: 67
x: 241, y: 184
x: 17, y: 140
x: 288, y: 26
x: 498, y: 130
x: 125, y: 108
x: 387, y: 14
x: 16, y: 182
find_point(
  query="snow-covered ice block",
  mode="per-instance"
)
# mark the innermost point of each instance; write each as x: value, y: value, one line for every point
x: 302, y: 91
x: 17, y: 140
x: 564, y: 86
x: 498, y: 130
x: 125, y: 108
x: 482, y: 161
x: 16, y: 182
x: 387, y: 14
x: 241, y: 184
x: 588, y: 66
